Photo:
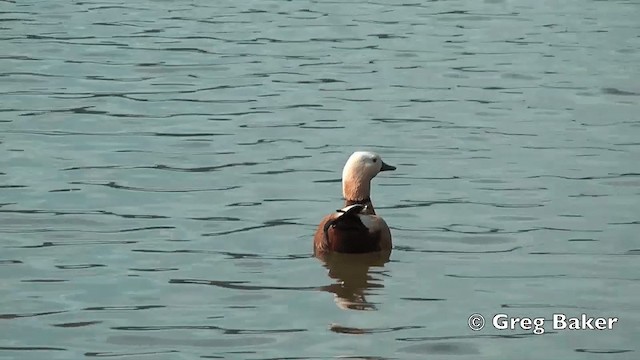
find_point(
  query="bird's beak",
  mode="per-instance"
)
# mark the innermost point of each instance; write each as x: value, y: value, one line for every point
x: 387, y: 167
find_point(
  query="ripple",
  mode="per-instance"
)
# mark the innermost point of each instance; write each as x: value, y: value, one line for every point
x: 197, y: 169
x: 65, y: 190
x: 115, y: 185
x: 609, y: 176
x: 79, y: 266
x: 543, y: 306
x: 216, y: 218
x: 147, y: 341
x: 266, y: 224
x: 207, y: 327
x: 408, y: 120
x: 288, y: 171
x: 153, y: 269
x: 28, y: 315
x: 604, y: 351
x: 422, y: 299
x: 77, y: 324
x: 270, y: 141
x: 31, y: 348
x: 50, y: 243
x: 475, y: 336
x: 506, y: 276
x: 84, y: 243
x: 229, y: 254
x: 446, y: 348
x: 124, y: 308
x: 566, y: 253
x: 411, y: 249
x: 127, y: 354
x: 418, y: 203
x: 614, y: 91
x: 239, y: 285
x: 86, y: 212
x: 10, y: 262
x: 354, y: 330
x: 140, y: 133
x: 13, y: 186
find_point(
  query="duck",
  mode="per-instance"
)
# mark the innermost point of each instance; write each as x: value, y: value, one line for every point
x: 355, y: 228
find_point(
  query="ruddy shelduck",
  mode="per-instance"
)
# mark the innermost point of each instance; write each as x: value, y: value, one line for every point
x: 355, y: 228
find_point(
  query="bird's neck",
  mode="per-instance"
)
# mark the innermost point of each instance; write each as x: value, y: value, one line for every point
x: 356, y: 190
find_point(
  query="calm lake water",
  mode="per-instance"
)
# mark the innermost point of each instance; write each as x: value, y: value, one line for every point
x: 163, y: 165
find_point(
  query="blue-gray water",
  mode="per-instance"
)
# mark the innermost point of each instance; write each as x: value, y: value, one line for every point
x: 163, y: 165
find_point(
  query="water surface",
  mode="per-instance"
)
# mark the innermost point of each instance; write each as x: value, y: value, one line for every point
x: 163, y: 166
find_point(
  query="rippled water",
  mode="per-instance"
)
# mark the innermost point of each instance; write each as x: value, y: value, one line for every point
x: 163, y: 165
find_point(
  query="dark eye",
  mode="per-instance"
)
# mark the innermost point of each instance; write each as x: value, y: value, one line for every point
x: 375, y: 160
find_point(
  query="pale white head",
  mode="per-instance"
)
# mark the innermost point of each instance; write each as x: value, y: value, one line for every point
x: 357, y: 173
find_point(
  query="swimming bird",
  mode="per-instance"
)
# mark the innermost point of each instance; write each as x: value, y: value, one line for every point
x: 355, y: 228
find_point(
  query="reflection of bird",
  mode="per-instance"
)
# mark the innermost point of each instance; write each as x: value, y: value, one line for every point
x: 356, y: 228
x: 354, y: 277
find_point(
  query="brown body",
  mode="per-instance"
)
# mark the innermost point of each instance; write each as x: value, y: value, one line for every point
x: 350, y: 235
